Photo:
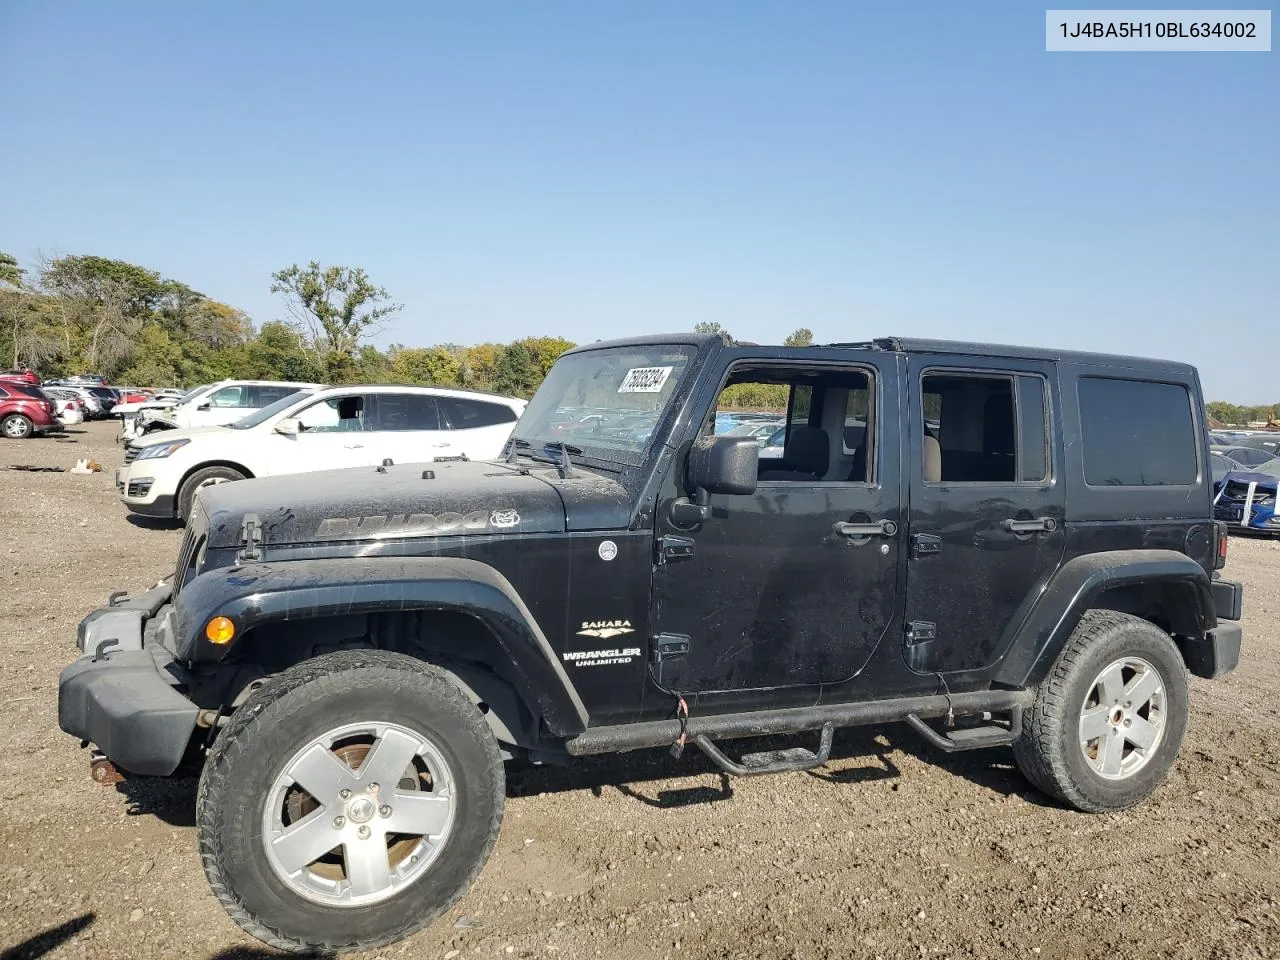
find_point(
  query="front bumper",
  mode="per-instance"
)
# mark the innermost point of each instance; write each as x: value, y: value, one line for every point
x: 125, y: 694
x: 141, y: 494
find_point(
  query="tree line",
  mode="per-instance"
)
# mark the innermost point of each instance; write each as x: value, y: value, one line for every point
x: 88, y: 314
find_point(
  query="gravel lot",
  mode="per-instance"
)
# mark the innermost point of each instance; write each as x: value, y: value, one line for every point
x: 892, y: 851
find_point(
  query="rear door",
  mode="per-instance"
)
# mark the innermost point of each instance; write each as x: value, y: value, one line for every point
x: 986, y: 510
x: 407, y: 428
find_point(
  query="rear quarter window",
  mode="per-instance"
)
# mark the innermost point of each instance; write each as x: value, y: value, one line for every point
x: 467, y: 414
x: 1137, y: 433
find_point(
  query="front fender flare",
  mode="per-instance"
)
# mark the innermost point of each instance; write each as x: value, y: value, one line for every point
x: 1077, y: 587
x: 257, y: 593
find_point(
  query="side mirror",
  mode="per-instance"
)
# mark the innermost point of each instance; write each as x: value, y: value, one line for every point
x: 725, y: 465
x: 287, y: 427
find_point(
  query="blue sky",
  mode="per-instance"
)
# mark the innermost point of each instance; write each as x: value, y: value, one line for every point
x: 598, y: 169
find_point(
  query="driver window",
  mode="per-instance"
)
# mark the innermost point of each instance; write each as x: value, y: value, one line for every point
x: 334, y: 415
x: 811, y: 425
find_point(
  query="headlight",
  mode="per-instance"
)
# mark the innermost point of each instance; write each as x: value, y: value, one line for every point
x: 161, y: 449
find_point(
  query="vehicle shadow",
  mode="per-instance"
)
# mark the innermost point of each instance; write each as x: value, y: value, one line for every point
x: 258, y: 953
x: 49, y: 940
x: 153, y: 523
x: 634, y: 774
x: 172, y: 799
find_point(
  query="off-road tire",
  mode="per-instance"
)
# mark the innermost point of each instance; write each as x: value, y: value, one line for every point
x: 1049, y: 752
x: 284, y: 714
x: 12, y: 423
x: 187, y: 492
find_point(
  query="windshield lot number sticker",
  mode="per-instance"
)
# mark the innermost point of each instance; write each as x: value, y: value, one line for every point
x: 645, y: 379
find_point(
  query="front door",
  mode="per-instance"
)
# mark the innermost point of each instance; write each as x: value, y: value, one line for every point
x: 795, y: 584
x: 985, y: 521
x: 332, y: 433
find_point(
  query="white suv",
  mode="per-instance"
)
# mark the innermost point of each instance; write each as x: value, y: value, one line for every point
x: 314, y: 430
x: 211, y: 405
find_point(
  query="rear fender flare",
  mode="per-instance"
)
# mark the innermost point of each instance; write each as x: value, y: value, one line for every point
x: 1083, y: 583
x: 254, y: 594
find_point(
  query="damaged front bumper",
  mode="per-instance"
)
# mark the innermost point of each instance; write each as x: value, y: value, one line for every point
x: 126, y: 693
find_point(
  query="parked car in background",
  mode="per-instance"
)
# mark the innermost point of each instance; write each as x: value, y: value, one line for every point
x: 1269, y: 442
x: 314, y: 429
x: 90, y: 402
x: 214, y: 405
x: 1246, y: 499
x: 20, y: 376
x: 25, y: 411
x: 1246, y: 456
x: 68, y: 411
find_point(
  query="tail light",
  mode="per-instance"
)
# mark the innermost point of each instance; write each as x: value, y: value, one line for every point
x: 1220, y: 547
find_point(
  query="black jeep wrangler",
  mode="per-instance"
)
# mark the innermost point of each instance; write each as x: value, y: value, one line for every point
x: 997, y: 546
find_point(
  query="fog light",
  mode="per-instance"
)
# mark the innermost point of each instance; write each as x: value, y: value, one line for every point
x: 220, y: 630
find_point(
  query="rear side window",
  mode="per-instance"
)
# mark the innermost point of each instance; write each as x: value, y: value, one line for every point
x: 264, y: 396
x: 229, y: 397
x: 407, y: 411
x: 467, y: 414
x: 1136, y: 433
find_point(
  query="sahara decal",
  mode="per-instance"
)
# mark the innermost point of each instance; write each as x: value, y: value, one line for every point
x: 601, y: 658
x: 414, y: 524
x: 604, y: 629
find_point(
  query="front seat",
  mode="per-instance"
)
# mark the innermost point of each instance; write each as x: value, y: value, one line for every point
x: 807, y: 456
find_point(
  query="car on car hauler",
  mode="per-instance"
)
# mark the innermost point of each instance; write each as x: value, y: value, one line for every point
x: 348, y: 656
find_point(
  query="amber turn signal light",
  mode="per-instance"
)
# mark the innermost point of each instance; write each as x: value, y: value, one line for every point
x: 220, y: 630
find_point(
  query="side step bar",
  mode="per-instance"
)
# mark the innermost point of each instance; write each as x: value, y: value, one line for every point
x: 771, y: 761
x: 971, y: 738
x: 764, y: 723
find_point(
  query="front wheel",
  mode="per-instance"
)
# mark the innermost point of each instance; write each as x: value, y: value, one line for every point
x: 206, y: 477
x: 16, y: 427
x: 1108, y: 721
x: 349, y: 802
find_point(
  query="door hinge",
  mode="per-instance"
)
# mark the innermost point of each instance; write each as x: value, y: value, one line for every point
x: 921, y: 631
x: 668, y: 646
x: 673, y: 548
x: 250, y: 538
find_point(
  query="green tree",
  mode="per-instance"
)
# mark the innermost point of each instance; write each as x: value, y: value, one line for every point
x: 711, y: 326
x: 338, y: 305
x: 426, y: 365
x: 517, y: 373
x: 800, y: 337
x: 10, y: 272
x: 546, y: 350
x: 278, y: 353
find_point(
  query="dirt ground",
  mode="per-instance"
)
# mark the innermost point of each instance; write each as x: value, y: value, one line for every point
x: 892, y: 851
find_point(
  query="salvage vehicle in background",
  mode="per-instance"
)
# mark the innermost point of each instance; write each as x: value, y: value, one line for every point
x: 314, y: 429
x: 89, y: 402
x: 1246, y: 456
x: 1246, y: 499
x: 215, y: 404
x: 25, y: 411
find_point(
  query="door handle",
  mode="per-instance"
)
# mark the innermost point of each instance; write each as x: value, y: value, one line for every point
x: 353, y: 446
x: 876, y: 528
x: 1038, y: 525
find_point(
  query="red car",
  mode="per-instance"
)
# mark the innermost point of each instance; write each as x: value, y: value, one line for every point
x: 25, y: 411
x: 20, y: 376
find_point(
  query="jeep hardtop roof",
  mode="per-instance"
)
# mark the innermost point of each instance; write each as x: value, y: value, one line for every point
x: 923, y: 345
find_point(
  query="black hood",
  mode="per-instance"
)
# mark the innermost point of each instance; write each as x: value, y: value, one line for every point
x: 454, y: 498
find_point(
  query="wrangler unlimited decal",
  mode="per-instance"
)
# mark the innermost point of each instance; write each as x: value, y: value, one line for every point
x: 601, y: 658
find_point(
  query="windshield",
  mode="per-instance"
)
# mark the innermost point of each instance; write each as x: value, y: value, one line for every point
x: 269, y: 411
x: 1271, y: 468
x: 606, y: 402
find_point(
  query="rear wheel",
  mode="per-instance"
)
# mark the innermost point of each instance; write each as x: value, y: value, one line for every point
x: 1108, y: 721
x: 350, y: 802
x: 206, y: 477
x: 16, y: 427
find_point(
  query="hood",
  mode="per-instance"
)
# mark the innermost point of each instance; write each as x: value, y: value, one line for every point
x: 458, y: 498
x: 168, y: 436
x: 1265, y: 481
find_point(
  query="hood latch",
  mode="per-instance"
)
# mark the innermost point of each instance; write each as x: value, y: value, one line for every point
x: 250, y: 538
